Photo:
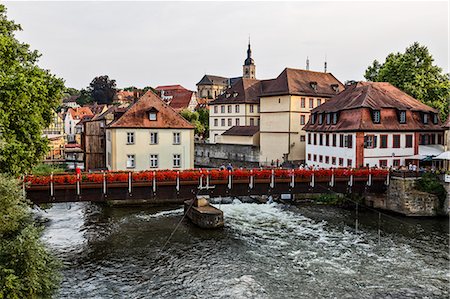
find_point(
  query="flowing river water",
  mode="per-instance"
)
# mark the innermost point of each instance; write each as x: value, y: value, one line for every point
x: 264, y: 251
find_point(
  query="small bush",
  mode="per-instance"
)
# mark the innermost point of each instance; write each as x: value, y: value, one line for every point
x: 430, y: 183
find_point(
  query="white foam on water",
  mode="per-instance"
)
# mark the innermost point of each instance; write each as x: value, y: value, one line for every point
x: 322, y: 250
x: 162, y: 214
x: 65, y: 226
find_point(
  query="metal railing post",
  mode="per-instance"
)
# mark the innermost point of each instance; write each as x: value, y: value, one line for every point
x: 230, y: 182
x: 154, y: 182
x: 272, y: 179
x: 52, y: 192
x: 178, y: 181
x: 332, y: 178
x: 104, y: 183
x: 78, y: 184
x: 129, y: 182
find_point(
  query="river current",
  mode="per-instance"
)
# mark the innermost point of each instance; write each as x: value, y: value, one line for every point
x: 264, y: 251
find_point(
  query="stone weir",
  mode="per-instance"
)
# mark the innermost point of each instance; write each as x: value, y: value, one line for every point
x: 402, y: 197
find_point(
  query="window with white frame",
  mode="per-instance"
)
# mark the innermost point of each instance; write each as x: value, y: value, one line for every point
x: 216, y: 122
x: 131, y: 161
x: 222, y: 109
x: 176, y: 138
x: 215, y: 109
x: 252, y: 122
x: 176, y: 160
x: 222, y: 122
x: 236, y: 108
x: 237, y: 121
x: 252, y: 108
x: 230, y: 122
x: 152, y: 115
x: 153, y: 137
x: 229, y: 109
x: 130, y: 137
x: 153, y: 161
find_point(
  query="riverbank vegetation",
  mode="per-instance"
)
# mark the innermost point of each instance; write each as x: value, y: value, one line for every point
x: 27, y: 270
x: 430, y: 183
x: 28, y: 94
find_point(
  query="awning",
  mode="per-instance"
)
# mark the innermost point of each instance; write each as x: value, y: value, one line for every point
x: 443, y: 156
x: 432, y: 150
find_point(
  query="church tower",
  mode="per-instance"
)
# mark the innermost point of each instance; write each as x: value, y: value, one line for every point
x: 249, y: 65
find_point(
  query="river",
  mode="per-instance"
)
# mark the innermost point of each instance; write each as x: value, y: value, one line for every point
x: 264, y: 251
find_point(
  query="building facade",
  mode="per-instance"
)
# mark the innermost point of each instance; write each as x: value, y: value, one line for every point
x: 286, y: 103
x: 237, y: 106
x: 372, y: 124
x: 57, y: 139
x: 149, y: 135
x: 72, y: 118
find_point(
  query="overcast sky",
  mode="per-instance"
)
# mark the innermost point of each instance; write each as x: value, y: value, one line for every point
x: 156, y: 43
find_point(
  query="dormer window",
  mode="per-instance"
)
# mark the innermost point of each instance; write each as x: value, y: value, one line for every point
x: 335, y: 87
x: 335, y: 118
x: 313, y: 85
x: 235, y: 94
x: 320, y: 118
x: 402, y: 117
x: 376, y: 116
x: 152, y: 114
x: 435, y: 118
x: 227, y: 95
x: 425, y: 118
x: 328, y: 118
x: 313, y: 118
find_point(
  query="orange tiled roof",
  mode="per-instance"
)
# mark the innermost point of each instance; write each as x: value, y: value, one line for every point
x: 137, y: 115
x: 78, y: 113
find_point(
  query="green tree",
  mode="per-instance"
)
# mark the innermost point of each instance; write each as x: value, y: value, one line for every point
x: 203, y: 117
x: 27, y: 270
x: 84, y: 98
x: 193, y: 118
x: 414, y: 73
x: 28, y: 94
x: 102, y: 89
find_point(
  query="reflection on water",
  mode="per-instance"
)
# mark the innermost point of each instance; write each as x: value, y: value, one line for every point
x: 264, y: 251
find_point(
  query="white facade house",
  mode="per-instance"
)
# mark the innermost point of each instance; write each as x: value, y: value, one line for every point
x: 372, y: 124
x: 149, y: 135
x: 72, y: 118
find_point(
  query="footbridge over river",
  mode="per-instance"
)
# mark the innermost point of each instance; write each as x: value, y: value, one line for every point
x: 176, y: 186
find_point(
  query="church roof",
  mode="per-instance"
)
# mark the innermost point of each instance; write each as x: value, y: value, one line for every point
x: 213, y: 80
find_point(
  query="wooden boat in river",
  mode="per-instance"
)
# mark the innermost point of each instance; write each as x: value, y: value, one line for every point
x: 202, y: 214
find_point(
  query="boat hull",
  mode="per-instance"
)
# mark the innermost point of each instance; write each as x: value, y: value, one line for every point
x: 205, y: 216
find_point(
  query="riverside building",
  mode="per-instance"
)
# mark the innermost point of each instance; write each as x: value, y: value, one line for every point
x: 372, y: 124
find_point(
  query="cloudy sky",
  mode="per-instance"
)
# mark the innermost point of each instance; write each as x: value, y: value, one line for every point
x: 156, y: 43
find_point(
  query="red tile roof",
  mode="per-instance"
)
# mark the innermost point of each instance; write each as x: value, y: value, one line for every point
x: 181, y: 97
x: 170, y: 87
x: 289, y: 82
x: 302, y: 82
x: 355, y: 105
x: 137, y: 116
x: 78, y: 113
x: 243, y: 91
x: 242, y: 131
